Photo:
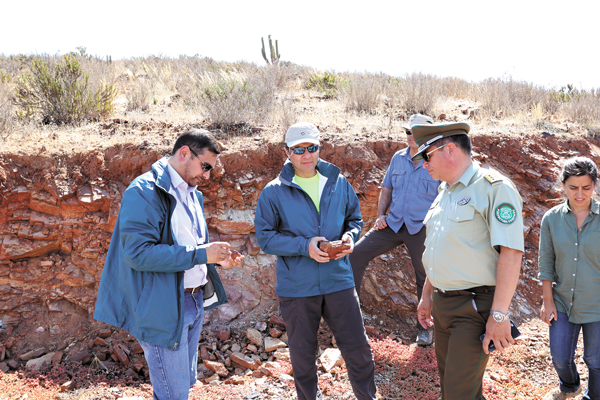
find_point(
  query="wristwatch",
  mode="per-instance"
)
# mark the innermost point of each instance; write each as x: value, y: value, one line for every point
x: 499, y: 316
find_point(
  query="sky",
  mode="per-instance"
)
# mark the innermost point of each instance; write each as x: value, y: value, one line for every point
x: 550, y: 43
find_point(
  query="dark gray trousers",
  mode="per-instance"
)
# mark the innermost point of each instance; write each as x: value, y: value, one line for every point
x: 375, y: 243
x: 341, y: 311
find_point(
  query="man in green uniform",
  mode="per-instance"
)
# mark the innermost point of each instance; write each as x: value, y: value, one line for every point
x: 472, y: 258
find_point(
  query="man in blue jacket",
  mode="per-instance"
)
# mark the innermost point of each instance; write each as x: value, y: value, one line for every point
x: 309, y: 202
x: 159, y: 276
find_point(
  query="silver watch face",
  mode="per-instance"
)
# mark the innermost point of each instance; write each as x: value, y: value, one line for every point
x: 498, y: 316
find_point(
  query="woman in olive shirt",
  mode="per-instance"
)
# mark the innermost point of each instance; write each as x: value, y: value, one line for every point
x: 569, y: 262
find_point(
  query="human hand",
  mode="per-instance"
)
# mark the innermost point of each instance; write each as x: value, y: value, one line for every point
x: 216, y: 252
x: 347, y: 238
x: 235, y: 259
x: 548, y: 311
x: 499, y: 333
x: 424, y: 311
x: 314, y: 252
x: 380, y: 222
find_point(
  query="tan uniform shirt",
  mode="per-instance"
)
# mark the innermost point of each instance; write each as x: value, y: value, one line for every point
x: 466, y: 224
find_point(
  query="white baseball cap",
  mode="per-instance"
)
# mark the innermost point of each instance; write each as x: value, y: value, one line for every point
x: 302, y: 132
x: 417, y: 119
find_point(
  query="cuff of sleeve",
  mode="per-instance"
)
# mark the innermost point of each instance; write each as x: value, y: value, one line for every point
x: 546, y: 276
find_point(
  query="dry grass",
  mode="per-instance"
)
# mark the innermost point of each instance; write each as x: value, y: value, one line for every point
x: 237, y: 97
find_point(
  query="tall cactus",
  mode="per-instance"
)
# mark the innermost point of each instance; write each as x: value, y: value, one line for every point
x: 273, y: 50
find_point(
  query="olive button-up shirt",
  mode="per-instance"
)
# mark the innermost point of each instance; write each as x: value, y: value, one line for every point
x: 571, y: 259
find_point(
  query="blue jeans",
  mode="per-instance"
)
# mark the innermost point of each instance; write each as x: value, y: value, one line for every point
x: 173, y: 372
x: 563, y: 342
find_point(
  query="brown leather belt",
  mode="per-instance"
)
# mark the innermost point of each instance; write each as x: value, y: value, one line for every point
x: 194, y: 289
x: 472, y: 291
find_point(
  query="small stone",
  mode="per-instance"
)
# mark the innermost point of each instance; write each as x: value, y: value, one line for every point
x: 223, y: 335
x: 204, y: 353
x: 56, y: 358
x: 104, y: 333
x: 245, y: 361
x: 100, y: 342
x: 274, y: 332
x: 213, y: 378
x: 276, y: 320
x: 217, y: 367
x: 254, y: 336
x: 261, y: 326
x: 84, y: 357
x: 331, y: 358
x: 69, y: 385
x: 272, y: 344
x: 252, y: 348
x: 285, y: 378
x: 10, y: 341
x: 32, y: 354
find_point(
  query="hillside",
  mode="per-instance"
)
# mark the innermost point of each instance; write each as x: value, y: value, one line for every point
x: 61, y: 185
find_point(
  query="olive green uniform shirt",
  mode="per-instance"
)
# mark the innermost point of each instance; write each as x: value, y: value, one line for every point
x: 571, y: 259
x: 466, y: 224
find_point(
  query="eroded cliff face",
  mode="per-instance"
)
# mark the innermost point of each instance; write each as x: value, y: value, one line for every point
x: 57, y: 215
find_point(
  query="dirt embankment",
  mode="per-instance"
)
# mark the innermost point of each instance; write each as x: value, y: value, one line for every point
x: 57, y: 214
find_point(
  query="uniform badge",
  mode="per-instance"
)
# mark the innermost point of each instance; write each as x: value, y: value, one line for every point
x: 464, y: 201
x: 506, y: 213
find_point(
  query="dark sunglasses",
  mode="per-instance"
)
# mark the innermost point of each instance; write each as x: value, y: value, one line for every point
x: 408, y: 133
x: 300, y: 150
x: 205, y: 166
x: 426, y: 155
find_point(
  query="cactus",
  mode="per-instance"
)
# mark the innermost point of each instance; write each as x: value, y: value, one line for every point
x: 273, y: 50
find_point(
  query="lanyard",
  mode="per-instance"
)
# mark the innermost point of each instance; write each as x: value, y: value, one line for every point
x: 195, y: 225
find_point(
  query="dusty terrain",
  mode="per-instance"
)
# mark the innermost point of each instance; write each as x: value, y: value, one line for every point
x: 60, y: 191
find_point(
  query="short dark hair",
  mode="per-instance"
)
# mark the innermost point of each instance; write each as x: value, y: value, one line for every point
x: 198, y: 140
x: 463, y: 142
x: 579, y: 166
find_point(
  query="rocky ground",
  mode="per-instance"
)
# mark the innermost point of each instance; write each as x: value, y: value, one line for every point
x: 253, y: 363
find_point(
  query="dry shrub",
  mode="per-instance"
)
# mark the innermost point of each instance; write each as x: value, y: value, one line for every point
x: 288, y: 112
x: 139, y: 95
x: 362, y: 92
x: 7, y: 114
x: 506, y: 97
x: 231, y: 100
x: 415, y: 93
x: 585, y: 109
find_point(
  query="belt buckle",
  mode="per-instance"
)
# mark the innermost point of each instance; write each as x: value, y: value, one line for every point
x: 441, y: 290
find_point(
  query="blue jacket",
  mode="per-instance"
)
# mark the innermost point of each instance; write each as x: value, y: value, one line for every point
x: 141, y: 289
x: 286, y: 219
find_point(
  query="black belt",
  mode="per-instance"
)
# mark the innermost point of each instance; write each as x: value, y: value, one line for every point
x: 194, y: 289
x: 466, y: 292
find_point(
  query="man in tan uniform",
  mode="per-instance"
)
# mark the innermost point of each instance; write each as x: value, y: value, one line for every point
x: 472, y: 258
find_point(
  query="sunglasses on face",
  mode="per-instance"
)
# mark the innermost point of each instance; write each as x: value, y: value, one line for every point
x: 300, y: 150
x: 426, y: 155
x: 205, y: 166
x: 408, y: 133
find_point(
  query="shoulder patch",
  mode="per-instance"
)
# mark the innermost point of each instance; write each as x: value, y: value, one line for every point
x: 492, y: 178
x: 506, y: 213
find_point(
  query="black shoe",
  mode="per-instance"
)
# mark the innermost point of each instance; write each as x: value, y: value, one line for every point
x: 425, y: 336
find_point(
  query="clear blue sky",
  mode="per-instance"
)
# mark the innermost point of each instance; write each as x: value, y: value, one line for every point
x: 545, y: 42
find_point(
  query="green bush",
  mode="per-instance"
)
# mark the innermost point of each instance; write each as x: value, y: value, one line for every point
x: 327, y: 83
x: 62, y: 93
